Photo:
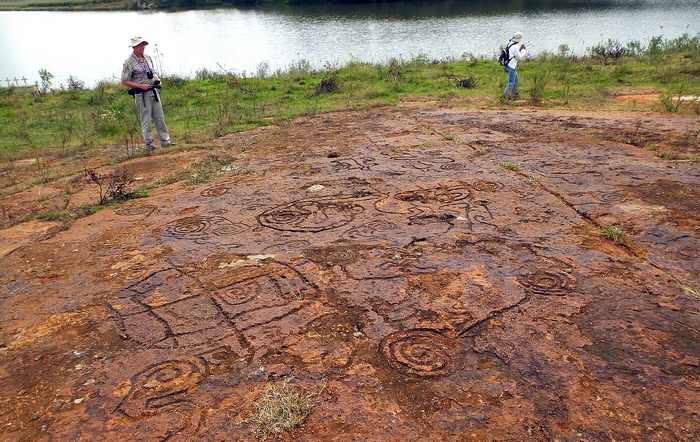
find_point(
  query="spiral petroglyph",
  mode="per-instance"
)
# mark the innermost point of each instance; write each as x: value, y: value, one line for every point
x: 487, y: 186
x: 214, y: 191
x: 440, y: 194
x: 419, y: 352
x: 454, y: 166
x: 611, y: 197
x: 372, y: 230
x: 548, y: 282
x: 202, y: 228
x: 310, y: 216
x: 136, y: 210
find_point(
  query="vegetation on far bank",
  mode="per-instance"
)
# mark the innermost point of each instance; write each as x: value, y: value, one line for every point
x: 218, y: 102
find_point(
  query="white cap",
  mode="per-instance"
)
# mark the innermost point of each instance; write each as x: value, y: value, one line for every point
x: 517, y: 37
x: 135, y: 41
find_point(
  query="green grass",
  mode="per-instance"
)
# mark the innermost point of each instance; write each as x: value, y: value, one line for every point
x: 613, y: 233
x: 512, y: 167
x: 67, y: 216
x: 215, y: 103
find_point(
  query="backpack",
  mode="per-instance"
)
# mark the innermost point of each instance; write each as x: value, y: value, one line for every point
x: 505, y: 57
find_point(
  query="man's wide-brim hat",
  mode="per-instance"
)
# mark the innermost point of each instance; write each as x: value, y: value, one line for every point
x: 135, y: 41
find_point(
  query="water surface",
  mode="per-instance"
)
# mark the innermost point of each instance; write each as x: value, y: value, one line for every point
x: 92, y: 45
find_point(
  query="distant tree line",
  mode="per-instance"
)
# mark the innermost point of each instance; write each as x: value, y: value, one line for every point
x: 143, y: 4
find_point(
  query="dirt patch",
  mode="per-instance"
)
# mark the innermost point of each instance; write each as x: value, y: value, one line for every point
x: 387, y: 255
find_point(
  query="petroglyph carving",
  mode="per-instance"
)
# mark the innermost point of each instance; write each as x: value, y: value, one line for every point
x: 203, y: 229
x: 419, y: 352
x: 344, y: 165
x: 487, y: 186
x: 161, y: 392
x: 376, y: 229
x: 310, y: 216
x: 387, y: 263
x: 136, y: 210
x: 545, y: 282
x: 215, y: 191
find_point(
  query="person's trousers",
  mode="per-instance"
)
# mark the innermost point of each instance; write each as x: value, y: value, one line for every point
x: 512, y: 87
x: 149, y: 108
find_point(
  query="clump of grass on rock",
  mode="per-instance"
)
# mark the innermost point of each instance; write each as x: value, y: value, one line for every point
x: 512, y: 167
x: 613, y: 233
x: 281, y: 408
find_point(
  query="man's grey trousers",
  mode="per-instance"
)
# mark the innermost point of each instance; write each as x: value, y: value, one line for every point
x: 150, y: 109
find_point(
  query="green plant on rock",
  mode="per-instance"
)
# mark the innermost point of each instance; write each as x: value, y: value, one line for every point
x: 613, y: 233
x: 512, y: 167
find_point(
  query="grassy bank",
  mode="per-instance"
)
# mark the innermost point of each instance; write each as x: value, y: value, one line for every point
x: 214, y: 103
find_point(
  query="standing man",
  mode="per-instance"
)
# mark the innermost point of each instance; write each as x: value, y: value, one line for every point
x: 138, y: 74
x: 515, y: 49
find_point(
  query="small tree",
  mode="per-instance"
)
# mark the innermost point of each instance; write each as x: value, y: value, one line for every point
x: 46, y: 80
x: 74, y: 84
x: 611, y: 49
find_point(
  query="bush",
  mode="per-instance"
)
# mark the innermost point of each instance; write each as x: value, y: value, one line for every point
x: 393, y: 71
x: 74, y: 84
x: 564, y: 51
x: 327, y: 85
x: 611, y: 49
x: 263, y: 70
x: 537, y: 86
x: 468, y: 82
x: 117, y: 186
x: 46, y: 80
x: 99, y: 96
x: 634, y: 48
x: 655, y: 49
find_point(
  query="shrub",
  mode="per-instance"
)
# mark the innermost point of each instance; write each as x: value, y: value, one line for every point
x: 46, y: 80
x: 468, y: 82
x: 655, y: 48
x: 99, y: 95
x: 262, y: 70
x: 611, y: 49
x: 74, y: 84
x: 671, y: 101
x: 393, y: 71
x: 564, y: 51
x: 537, y: 86
x: 113, y: 187
x: 634, y: 48
x: 327, y: 85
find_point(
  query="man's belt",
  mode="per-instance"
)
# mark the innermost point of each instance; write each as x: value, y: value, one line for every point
x: 135, y: 91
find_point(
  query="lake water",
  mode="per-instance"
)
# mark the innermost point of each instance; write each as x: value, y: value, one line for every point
x: 92, y: 45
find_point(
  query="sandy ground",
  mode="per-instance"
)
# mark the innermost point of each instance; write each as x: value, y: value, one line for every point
x: 388, y: 255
